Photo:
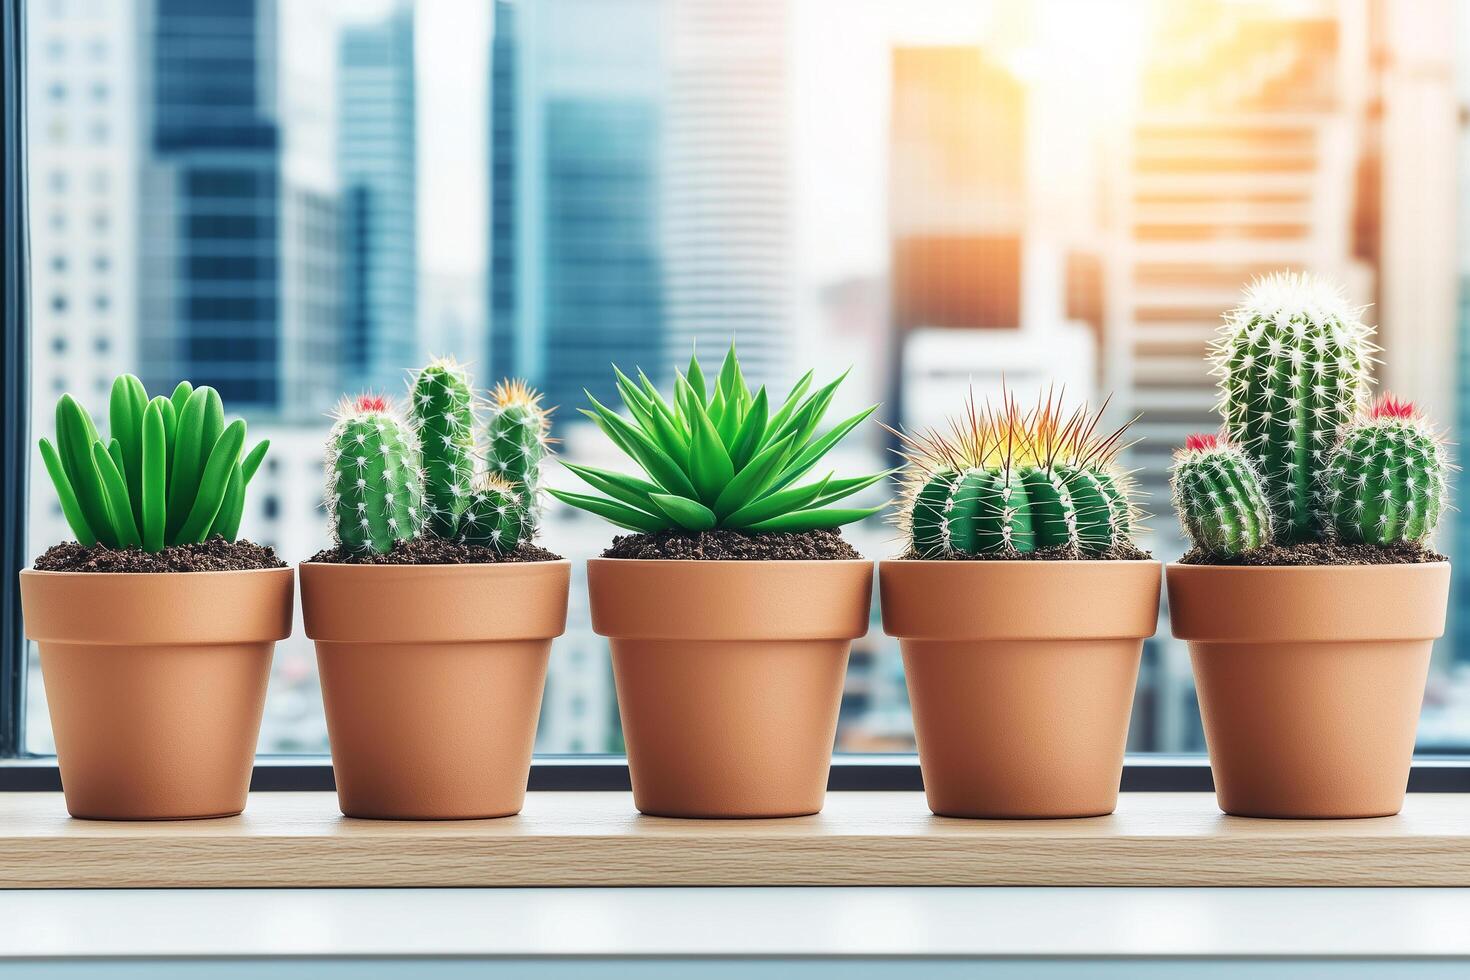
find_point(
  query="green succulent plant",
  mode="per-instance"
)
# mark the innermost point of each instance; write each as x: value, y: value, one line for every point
x: 720, y: 456
x: 170, y: 472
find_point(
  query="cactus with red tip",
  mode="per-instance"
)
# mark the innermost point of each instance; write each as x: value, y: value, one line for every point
x: 1218, y: 496
x: 375, y: 495
x: 1386, y: 478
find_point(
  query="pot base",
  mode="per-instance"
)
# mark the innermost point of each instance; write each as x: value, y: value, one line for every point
x: 1021, y: 729
x: 729, y: 729
x: 1310, y: 679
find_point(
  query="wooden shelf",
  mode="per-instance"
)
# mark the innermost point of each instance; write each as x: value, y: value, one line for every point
x: 575, y: 839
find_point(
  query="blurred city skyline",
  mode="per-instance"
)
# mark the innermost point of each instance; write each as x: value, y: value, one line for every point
x: 292, y: 199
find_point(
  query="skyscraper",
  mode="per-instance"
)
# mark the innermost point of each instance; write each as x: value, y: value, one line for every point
x: 575, y: 128
x: 727, y: 212
x: 377, y: 147
x: 209, y: 224
x: 83, y: 199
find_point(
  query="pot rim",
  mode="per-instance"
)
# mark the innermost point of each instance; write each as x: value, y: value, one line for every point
x: 1226, y: 604
x: 983, y: 601
x: 742, y: 562
x: 1379, y: 568
x: 1021, y: 562
x: 179, y: 575
x: 358, y: 569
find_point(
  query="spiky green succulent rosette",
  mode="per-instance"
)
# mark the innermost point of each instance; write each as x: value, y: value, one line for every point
x: 1008, y: 481
x: 719, y: 456
x: 170, y: 473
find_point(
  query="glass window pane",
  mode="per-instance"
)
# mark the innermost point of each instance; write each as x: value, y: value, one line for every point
x: 293, y: 200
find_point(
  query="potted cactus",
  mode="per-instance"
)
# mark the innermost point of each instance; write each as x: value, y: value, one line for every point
x: 731, y: 608
x: 1310, y: 599
x: 1021, y: 606
x: 434, y: 614
x: 156, y: 626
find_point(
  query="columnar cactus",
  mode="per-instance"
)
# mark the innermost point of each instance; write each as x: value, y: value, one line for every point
x: 1218, y: 495
x: 1385, y: 480
x: 1293, y: 364
x: 1012, y: 482
x: 442, y: 412
x: 517, y: 444
x: 498, y: 515
x: 375, y: 494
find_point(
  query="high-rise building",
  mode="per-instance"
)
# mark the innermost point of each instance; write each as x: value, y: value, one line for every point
x: 726, y: 193
x: 377, y: 147
x: 210, y: 204
x: 979, y: 274
x: 82, y: 146
x: 575, y: 127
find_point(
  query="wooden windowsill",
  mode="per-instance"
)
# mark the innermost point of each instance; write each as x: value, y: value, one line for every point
x: 595, y: 839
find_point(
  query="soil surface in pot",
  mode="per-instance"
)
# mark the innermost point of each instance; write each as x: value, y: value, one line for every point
x: 434, y: 551
x: 214, y: 555
x: 1065, y: 552
x: 730, y: 545
x: 1320, y: 553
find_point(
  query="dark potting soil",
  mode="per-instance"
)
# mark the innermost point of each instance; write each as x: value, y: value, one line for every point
x: 214, y: 555
x: 1321, y: 553
x: 728, y: 545
x: 434, y: 551
x: 1063, y: 552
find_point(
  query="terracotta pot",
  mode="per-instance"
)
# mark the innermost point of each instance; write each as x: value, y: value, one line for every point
x: 1310, y: 680
x: 156, y: 684
x: 729, y: 676
x: 432, y: 678
x: 1020, y: 676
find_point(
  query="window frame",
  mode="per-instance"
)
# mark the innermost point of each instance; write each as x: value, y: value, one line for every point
x: 22, y: 772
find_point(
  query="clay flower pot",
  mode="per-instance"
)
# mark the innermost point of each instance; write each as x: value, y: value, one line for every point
x: 432, y: 678
x: 729, y: 676
x: 1310, y: 680
x: 1020, y: 676
x: 156, y: 684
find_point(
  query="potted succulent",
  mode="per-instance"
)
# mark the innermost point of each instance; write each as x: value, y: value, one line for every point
x: 1021, y: 606
x: 732, y: 607
x: 434, y: 614
x: 1310, y: 600
x: 156, y: 626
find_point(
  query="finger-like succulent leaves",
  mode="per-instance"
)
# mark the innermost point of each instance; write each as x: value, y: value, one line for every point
x: 441, y: 409
x: 518, y: 442
x: 170, y: 471
x: 1293, y: 364
x: 717, y: 455
x: 375, y: 491
x: 1218, y: 495
x: 1010, y: 480
x: 1385, y: 481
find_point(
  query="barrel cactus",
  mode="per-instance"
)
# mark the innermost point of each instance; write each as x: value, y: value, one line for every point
x: 1385, y: 480
x: 1293, y: 363
x: 1218, y: 495
x: 441, y: 410
x: 498, y: 515
x: 171, y: 472
x: 1011, y: 481
x: 375, y: 495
